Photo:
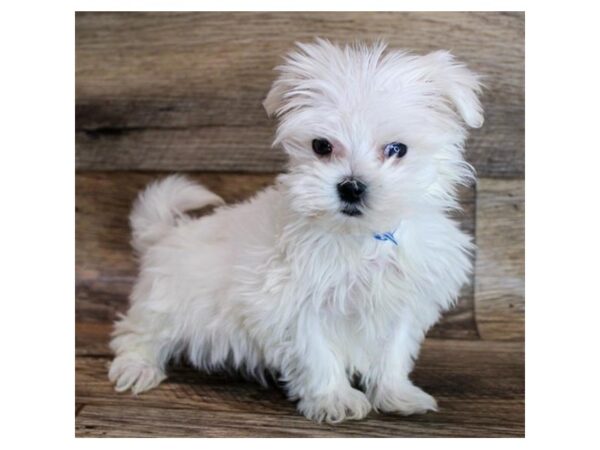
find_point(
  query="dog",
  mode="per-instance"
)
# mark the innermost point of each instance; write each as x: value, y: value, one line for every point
x: 336, y: 272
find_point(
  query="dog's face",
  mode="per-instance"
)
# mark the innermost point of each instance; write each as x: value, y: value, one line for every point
x: 372, y: 136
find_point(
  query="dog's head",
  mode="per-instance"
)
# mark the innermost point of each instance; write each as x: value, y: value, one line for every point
x: 373, y: 136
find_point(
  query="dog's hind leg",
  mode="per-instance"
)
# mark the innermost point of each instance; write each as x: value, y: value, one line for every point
x: 141, y: 356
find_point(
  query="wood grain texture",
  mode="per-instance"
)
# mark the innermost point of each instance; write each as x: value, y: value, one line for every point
x: 479, y: 386
x: 92, y: 338
x: 106, y: 269
x: 500, y: 263
x: 183, y: 91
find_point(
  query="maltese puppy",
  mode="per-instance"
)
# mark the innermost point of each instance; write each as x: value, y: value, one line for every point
x: 330, y: 278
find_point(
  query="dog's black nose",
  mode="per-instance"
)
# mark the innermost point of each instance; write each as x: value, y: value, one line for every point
x: 351, y: 190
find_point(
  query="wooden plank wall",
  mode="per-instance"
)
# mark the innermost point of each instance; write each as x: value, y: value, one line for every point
x: 163, y: 92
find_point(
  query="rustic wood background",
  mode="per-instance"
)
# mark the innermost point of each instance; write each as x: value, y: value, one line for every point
x: 164, y: 92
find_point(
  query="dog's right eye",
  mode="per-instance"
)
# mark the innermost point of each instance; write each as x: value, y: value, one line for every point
x: 322, y: 147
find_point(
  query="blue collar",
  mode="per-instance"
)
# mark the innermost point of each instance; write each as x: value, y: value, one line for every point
x: 387, y: 236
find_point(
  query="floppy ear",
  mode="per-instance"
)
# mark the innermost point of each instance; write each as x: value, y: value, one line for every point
x: 460, y: 85
x: 274, y: 100
x: 299, y: 75
x: 291, y: 73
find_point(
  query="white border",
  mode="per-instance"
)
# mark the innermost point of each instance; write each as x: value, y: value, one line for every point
x: 302, y: 5
x: 562, y: 222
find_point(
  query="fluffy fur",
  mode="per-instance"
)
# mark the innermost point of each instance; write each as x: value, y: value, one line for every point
x: 287, y: 283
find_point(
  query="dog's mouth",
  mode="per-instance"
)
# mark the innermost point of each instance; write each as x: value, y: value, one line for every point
x: 351, y: 210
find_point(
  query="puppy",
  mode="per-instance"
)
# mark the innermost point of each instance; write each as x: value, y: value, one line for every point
x: 339, y: 269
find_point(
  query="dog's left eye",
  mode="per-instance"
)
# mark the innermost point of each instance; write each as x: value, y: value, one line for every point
x: 396, y: 149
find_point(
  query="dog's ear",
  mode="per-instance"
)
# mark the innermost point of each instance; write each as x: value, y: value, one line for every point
x: 274, y: 100
x: 282, y: 89
x: 299, y: 76
x: 460, y: 85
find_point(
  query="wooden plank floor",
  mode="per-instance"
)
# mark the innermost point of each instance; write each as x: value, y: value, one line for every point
x: 479, y: 386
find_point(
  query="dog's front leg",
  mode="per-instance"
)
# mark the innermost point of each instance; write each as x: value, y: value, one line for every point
x: 316, y: 376
x: 388, y: 387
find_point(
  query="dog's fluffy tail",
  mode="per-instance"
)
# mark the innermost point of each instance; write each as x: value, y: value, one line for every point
x: 161, y: 204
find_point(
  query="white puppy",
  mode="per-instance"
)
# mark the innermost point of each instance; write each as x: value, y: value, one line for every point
x: 341, y: 267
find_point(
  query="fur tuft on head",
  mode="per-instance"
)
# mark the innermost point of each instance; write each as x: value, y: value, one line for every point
x: 301, y: 75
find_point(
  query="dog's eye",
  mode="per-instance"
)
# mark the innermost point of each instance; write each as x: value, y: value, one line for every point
x: 396, y: 149
x: 322, y: 147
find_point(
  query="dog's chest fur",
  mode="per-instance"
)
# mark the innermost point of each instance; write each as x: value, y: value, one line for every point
x: 347, y: 274
x: 358, y: 292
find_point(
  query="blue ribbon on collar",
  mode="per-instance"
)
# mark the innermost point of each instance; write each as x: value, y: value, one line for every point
x: 387, y: 236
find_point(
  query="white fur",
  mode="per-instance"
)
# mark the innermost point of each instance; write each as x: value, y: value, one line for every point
x: 285, y: 282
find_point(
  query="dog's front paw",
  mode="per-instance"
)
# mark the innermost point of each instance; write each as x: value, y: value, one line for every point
x: 405, y: 399
x: 134, y: 374
x: 334, y: 407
